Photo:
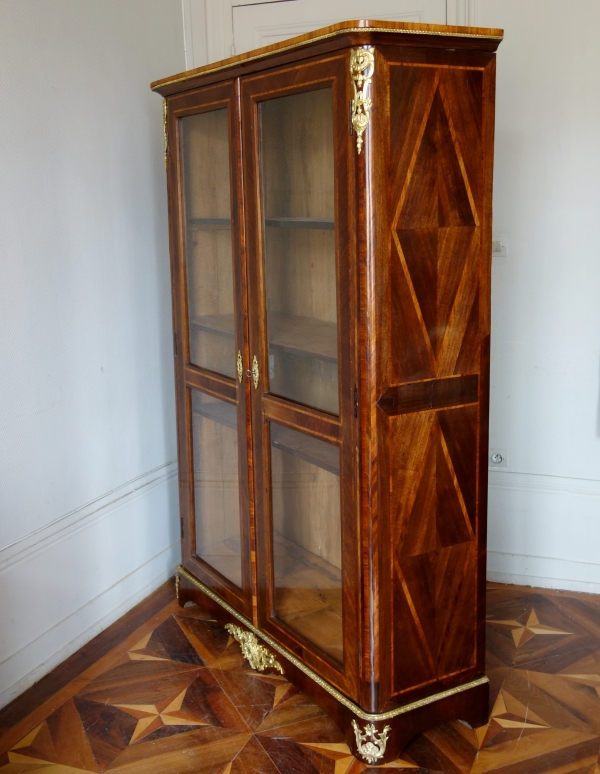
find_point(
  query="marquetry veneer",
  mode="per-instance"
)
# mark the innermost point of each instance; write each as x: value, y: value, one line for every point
x: 330, y: 206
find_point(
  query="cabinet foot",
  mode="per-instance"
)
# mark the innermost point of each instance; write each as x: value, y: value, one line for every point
x: 370, y: 743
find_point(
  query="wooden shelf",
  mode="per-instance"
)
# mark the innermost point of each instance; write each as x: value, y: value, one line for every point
x: 213, y: 223
x: 324, y: 224
x: 307, y: 448
x: 302, y: 336
x: 218, y: 411
x: 217, y: 324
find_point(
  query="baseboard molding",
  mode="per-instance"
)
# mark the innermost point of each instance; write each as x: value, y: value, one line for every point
x: 165, y: 563
x: 544, y: 531
x: 62, y: 585
x: 543, y: 571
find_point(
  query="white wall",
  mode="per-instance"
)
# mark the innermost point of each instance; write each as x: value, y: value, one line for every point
x: 88, y: 496
x: 544, y: 525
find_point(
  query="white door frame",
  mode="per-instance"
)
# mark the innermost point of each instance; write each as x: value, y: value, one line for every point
x: 208, y: 26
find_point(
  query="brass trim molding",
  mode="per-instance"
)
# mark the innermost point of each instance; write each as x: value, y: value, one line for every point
x: 374, y: 718
x: 251, y: 57
x: 240, y: 366
x: 362, y: 67
x: 166, y: 134
x: 256, y: 654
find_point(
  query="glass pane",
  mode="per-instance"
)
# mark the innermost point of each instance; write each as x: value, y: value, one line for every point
x: 298, y: 201
x: 307, y: 542
x: 208, y: 240
x: 216, y: 488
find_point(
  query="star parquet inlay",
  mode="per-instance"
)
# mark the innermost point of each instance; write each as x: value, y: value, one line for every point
x: 180, y: 699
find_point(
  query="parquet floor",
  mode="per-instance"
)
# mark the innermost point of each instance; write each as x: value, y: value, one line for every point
x: 174, y: 696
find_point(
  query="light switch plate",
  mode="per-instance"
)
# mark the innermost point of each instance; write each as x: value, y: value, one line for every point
x: 499, y: 247
x: 498, y: 459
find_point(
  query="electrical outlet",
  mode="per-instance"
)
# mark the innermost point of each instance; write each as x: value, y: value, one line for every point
x: 499, y: 247
x: 498, y: 459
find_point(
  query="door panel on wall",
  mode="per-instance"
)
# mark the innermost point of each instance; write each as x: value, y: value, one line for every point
x: 301, y: 297
x: 264, y: 23
x: 209, y: 324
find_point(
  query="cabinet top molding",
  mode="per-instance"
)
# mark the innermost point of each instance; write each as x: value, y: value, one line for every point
x: 347, y: 33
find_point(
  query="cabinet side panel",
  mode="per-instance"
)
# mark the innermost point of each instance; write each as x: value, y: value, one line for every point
x: 438, y: 208
x: 434, y: 546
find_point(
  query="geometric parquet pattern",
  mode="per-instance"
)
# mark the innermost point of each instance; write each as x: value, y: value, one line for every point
x: 177, y: 697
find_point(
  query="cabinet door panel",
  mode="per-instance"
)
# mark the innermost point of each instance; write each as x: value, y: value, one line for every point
x: 209, y: 320
x: 299, y: 245
x: 209, y: 262
x: 302, y: 291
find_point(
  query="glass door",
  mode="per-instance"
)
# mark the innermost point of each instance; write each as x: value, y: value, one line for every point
x: 302, y: 332
x: 209, y: 315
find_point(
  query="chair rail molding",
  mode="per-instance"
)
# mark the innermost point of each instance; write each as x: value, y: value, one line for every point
x: 62, y: 527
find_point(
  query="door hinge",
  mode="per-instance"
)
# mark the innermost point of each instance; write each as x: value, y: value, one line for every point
x: 166, y: 134
x: 181, y: 522
x: 355, y: 403
x: 175, y: 343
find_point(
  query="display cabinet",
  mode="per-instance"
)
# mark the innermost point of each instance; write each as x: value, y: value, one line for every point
x: 330, y: 227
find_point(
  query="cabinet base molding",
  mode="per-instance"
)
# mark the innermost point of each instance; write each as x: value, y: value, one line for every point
x: 373, y: 738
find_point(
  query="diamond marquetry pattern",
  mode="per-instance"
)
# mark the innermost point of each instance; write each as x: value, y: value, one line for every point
x: 434, y: 548
x: 436, y: 208
x: 435, y: 228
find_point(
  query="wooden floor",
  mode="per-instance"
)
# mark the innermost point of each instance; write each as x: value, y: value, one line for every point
x: 166, y: 692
